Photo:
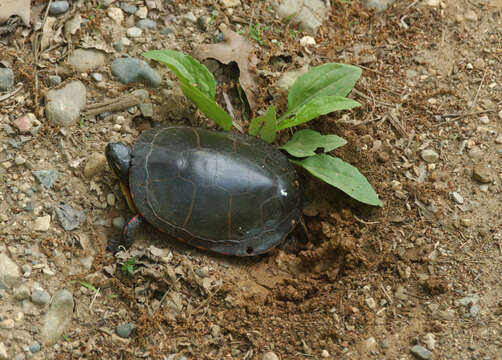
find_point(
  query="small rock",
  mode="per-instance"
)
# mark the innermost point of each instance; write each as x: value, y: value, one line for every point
x: 19, y: 160
x: 3, y: 352
x: 110, y: 199
x: 124, y: 330
x: 97, y: 77
x: 21, y: 293
x: 85, y: 60
x: 24, y: 123
x: 270, y: 356
x: 42, y: 223
x: 468, y: 300
x: 466, y: 222
x: 34, y: 347
x: 430, y: 341
x: 146, y: 24
x: 54, y: 80
x: 58, y: 318
x: 230, y: 3
x: 433, y: 3
x: 325, y: 354
x: 45, y: 177
x: 134, y: 32
x: 470, y: 15
x: 166, y: 31
x: 190, y: 17
x: 430, y: 155
x: 115, y: 14
x: 469, y: 66
x: 310, y: 15
x: 370, y: 302
x: 457, y: 197
x: 142, y: 12
x: 475, y: 153
x: 307, y: 40
x: 474, y: 311
x: 146, y: 110
x: 500, y: 114
x: 482, y: 173
x: 63, y: 106
x: 484, y: 119
x: 7, y: 324
x: 59, y: 7
x: 130, y: 9
x: 94, y: 164
x: 6, y: 79
x: 9, y: 272
x: 421, y: 353
x: 370, y: 345
x: 133, y: 70
x: 378, y: 5
x: 498, y: 139
x: 118, y: 222
x: 70, y: 218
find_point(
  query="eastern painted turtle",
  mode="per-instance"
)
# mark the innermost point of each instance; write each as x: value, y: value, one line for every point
x: 220, y: 191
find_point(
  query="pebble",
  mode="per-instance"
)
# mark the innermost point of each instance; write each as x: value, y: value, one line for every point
x: 42, y: 223
x: 95, y: 163
x: 70, y: 218
x: 370, y: 302
x: 309, y: 14
x: 59, y: 7
x: 146, y: 110
x: 24, y: 123
x: 6, y: 79
x: 116, y: 14
x: 9, y: 272
x: 421, y: 352
x: 176, y: 357
x: 498, y: 139
x: 471, y: 15
x: 230, y: 3
x: 133, y: 70
x: 117, y: 46
x: 190, y: 17
x: 8, y: 129
x: 270, y: 356
x: 467, y: 300
x: 130, y: 9
x: 118, y: 222
x: 54, y: 80
x: 124, y: 330
x: 63, y: 106
x: 19, y: 160
x: 97, y: 76
x: 35, y: 347
x: 3, y: 352
x: 45, y: 177
x: 433, y: 3
x: 475, y: 153
x: 110, y: 199
x: 166, y: 31
x: 146, y: 24
x: 378, y: 5
x: 85, y: 60
x: 430, y: 155
x: 21, y: 293
x: 430, y: 341
x: 500, y: 114
x: 325, y: 354
x: 142, y: 12
x: 484, y: 119
x: 457, y: 197
x: 307, y: 40
x: 481, y: 173
x: 134, y: 32
x: 58, y: 318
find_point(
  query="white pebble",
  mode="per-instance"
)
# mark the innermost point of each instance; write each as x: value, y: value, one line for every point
x: 307, y: 40
x: 134, y: 32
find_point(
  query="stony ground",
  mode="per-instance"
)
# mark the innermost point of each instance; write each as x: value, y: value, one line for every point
x: 418, y: 278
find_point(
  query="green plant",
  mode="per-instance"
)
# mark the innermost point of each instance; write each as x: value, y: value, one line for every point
x: 255, y: 32
x: 322, y: 90
x: 128, y: 267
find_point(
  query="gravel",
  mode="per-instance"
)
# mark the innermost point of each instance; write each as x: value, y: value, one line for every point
x: 59, y: 7
x: 6, y: 79
x: 124, y: 330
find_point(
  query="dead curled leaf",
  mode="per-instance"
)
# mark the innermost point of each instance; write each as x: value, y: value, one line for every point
x: 238, y: 49
x: 10, y: 8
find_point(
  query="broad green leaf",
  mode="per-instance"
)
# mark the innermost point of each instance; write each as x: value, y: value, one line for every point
x: 316, y: 107
x: 330, y: 79
x: 265, y: 126
x: 187, y: 69
x: 208, y: 106
x: 341, y: 175
x: 305, y: 142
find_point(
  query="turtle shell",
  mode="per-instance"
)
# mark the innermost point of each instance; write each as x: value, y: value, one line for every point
x: 225, y: 192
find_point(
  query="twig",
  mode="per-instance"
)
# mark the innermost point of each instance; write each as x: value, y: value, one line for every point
x: 366, y: 222
x: 113, y: 105
x: 357, y: 92
x: 96, y: 293
x: 374, y: 71
x: 479, y: 88
x: 12, y: 93
x: 455, y: 117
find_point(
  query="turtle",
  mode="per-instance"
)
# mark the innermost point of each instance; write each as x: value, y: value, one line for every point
x: 224, y: 192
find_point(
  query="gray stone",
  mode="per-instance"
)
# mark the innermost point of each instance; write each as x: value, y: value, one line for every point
x: 141, y: 94
x: 474, y: 311
x: 190, y: 17
x: 85, y: 60
x: 146, y: 24
x: 430, y: 155
x: 310, y: 16
x: 40, y: 297
x: 58, y: 318
x: 97, y: 77
x: 69, y: 218
x: 9, y: 272
x: 6, y: 78
x: 63, y: 106
x: 134, y: 32
x: 166, y: 31
x: 118, y: 222
x: 42, y: 223
x: 124, y: 330
x: 482, y: 173
x: 3, y: 352
x: 21, y: 293
x: 270, y: 356
x: 45, y: 177
x: 146, y: 110
x: 130, y: 9
x: 467, y: 300
x: 421, y: 352
x: 457, y: 197
x: 378, y: 5
x: 133, y: 70
x: 54, y: 80
x: 117, y: 46
x: 35, y: 347
x: 59, y: 7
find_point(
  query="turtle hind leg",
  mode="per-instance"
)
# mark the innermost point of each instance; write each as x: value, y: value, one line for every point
x: 125, y: 240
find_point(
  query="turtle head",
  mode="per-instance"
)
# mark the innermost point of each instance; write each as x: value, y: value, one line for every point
x: 119, y: 159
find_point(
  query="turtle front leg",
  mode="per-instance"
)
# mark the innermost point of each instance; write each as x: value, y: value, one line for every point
x: 125, y: 240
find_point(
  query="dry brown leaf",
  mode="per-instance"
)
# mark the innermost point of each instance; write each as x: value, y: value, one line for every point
x: 240, y: 50
x: 50, y: 35
x: 10, y: 8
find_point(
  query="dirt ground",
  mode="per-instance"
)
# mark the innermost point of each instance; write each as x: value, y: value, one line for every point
x: 371, y: 283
